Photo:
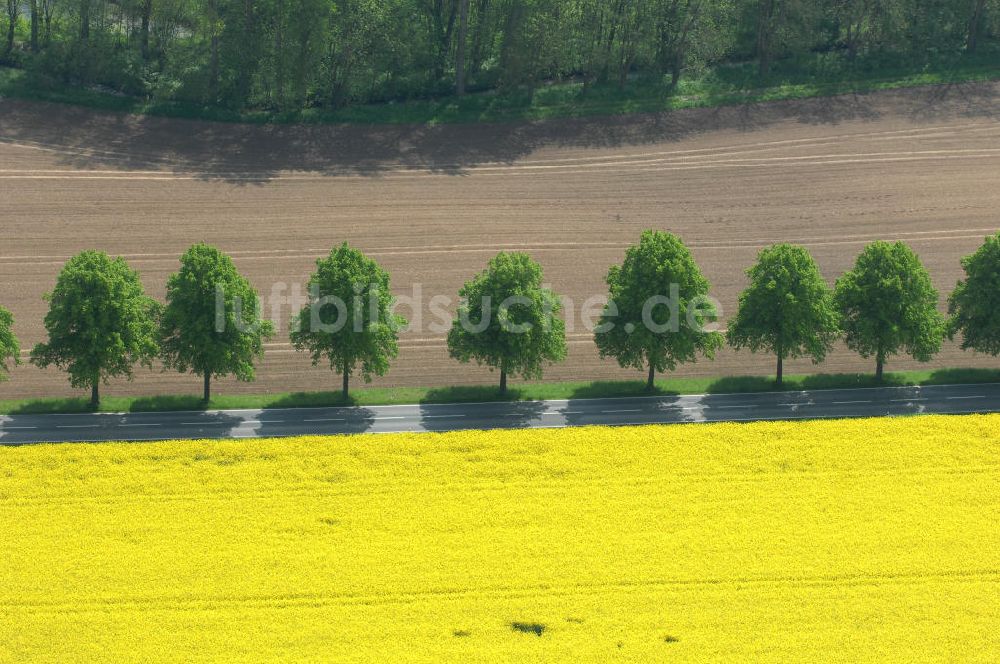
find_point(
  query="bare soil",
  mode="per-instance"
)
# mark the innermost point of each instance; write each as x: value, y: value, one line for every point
x: 433, y: 203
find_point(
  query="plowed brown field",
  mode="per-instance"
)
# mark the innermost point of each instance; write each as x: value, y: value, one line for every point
x: 432, y: 204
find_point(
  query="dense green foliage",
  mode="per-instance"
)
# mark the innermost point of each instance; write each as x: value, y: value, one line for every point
x: 508, y: 321
x: 788, y: 308
x: 349, y: 318
x: 10, y: 349
x: 975, y: 303
x: 888, y: 305
x: 211, y: 324
x: 658, y: 308
x: 100, y: 322
x: 295, y: 54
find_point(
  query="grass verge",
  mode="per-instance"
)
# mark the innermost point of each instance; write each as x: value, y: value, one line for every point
x: 722, y: 86
x: 525, y: 392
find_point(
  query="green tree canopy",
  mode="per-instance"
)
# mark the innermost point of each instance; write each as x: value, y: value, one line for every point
x: 10, y: 349
x: 888, y: 305
x: 211, y: 324
x: 658, y: 308
x: 349, y: 318
x: 974, y: 305
x: 297, y: 55
x: 508, y: 321
x: 100, y: 322
x: 788, y: 308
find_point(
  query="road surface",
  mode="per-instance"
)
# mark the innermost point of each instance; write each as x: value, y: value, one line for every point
x: 875, y: 402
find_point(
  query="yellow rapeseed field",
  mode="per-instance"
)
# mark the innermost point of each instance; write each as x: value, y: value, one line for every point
x: 812, y: 542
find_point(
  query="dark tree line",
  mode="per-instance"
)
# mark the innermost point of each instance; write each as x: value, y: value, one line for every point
x: 291, y: 54
x: 101, y: 323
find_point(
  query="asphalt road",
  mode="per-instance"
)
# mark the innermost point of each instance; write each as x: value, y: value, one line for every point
x: 876, y: 402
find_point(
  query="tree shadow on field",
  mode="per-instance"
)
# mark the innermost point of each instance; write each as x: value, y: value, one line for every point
x: 757, y: 384
x: 612, y: 389
x: 155, y: 404
x: 962, y: 376
x: 246, y: 154
x: 312, y: 400
x: 469, y: 394
x: 744, y: 384
x: 51, y: 406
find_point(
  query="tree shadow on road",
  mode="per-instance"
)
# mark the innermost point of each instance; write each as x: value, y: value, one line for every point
x: 500, y: 414
x: 346, y: 421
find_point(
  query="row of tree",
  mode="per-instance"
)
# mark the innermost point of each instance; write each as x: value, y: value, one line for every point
x: 101, y: 323
x: 296, y: 53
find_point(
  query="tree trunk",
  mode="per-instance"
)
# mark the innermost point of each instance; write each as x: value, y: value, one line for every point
x: 463, y: 30
x: 681, y: 46
x: 443, y: 27
x: 339, y: 74
x: 213, y: 54
x: 213, y: 69
x: 503, y: 382
x: 765, y: 14
x: 609, y: 43
x: 879, y: 365
x: 346, y: 382
x: 624, y: 65
x: 510, y: 55
x: 675, y: 72
x: 95, y: 394
x: 12, y: 7
x: 302, y: 68
x: 147, y: 11
x: 34, y: 25
x: 850, y: 39
x: 247, y: 53
x: 279, y: 55
x: 84, y: 20
x: 477, y: 35
x: 972, y: 42
x: 47, y: 20
x: 207, y: 395
x: 651, y: 378
x: 780, y: 372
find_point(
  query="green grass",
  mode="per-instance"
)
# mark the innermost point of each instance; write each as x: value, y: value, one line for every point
x: 523, y: 392
x: 721, y: 86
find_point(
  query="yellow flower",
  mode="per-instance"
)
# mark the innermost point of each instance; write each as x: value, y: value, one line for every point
x: 811, y: 541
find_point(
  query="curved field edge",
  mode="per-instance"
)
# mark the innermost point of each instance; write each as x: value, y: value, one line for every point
x: 562, y: 100
x: 853, y: 539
